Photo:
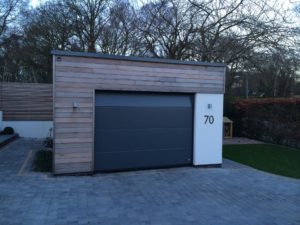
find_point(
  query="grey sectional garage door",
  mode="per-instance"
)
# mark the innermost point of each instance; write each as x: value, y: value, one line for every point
x: 142, y: 130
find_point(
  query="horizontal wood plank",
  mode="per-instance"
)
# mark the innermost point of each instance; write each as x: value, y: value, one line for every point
x: 74, y: 120
x: 72, y: 146
x: 73, y: 134
x: 73, y: 157
x: 74, y: 130
x: 112, y: 63
x: 59, y: 140
x: 61, y: 168
x: 93, y: 67
x: 104, y: 78
x: 72, y: 125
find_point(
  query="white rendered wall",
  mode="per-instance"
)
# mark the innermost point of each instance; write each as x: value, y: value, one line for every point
x: 208, y: 129
x: 30, y: 129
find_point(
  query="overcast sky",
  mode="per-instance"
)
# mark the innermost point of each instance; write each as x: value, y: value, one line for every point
x: 34, y: 3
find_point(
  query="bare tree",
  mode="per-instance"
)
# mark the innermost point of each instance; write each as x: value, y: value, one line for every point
x: 166, y: 28
x: 9, y: 10
x: 48, y: 28
x: 50, y: 25
x: 275, y: 71
x: 119, y: 35
x: 25, y: 55
x: 253, y: 23
x: 89, y: 18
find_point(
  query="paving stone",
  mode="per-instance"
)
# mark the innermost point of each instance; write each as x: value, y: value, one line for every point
x: 233, y: 194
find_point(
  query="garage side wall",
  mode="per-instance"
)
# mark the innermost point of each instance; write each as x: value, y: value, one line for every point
x: 77, y: 78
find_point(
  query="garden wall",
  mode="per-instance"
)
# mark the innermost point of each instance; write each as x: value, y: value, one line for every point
x: 274, y: 120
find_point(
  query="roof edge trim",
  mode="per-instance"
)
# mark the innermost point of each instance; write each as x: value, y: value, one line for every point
x: 134, y: 58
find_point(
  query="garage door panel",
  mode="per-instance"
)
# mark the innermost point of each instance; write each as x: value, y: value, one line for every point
x: 139, y: 117
x: 138, y: 99
x: 142, y: 130
x: 142, y: 159
x: 141, y: 139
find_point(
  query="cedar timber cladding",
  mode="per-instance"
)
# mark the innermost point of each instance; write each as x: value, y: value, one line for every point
x: 78, y: 75
x: 26, y: 101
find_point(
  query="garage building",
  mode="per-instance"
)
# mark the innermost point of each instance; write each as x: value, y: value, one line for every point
x: 115, y: 113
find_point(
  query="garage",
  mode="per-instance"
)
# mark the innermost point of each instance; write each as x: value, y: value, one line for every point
x: 117, y: 113
x: 136, y: 130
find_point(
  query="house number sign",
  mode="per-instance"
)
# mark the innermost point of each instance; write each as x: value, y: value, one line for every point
x: 209, y: 119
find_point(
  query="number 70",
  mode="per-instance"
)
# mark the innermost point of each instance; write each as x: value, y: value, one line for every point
x: 209, y: 118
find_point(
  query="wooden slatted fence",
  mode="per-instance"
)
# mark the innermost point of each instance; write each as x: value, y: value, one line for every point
x: 26, y: 101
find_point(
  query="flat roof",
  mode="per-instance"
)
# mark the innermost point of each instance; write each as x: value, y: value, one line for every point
x: 134, y: 58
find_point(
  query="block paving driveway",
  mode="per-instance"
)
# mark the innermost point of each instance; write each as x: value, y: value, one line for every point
x: 233, y: 195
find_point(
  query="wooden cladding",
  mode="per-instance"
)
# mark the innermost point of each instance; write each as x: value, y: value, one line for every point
x: 76, y: 79
x: 26, y: 101
x: 107, y: 74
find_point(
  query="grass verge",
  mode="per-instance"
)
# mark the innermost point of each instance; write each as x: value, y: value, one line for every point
x: 43, y: 161
x: 270, y: 158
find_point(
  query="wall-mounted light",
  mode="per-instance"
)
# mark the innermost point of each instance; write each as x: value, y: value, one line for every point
x: 75, y: 105
x: 209, y: 106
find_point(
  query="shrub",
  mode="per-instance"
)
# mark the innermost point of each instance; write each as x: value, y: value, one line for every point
x: 43, y: 161
x: 274, y: 120
x: 228, y: 105
x: 8, y: 130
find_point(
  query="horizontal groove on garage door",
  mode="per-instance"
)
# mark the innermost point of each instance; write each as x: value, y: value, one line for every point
x: 146, y: 150
x: 139, y: 117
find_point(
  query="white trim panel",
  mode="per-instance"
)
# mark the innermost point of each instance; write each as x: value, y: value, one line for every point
x: 208, y: 129
x: 30, y: 129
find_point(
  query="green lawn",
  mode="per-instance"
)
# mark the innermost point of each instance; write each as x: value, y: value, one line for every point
x: 269, y: 158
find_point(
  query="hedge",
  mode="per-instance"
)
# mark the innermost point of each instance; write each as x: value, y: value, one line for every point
x: 274, y: 120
